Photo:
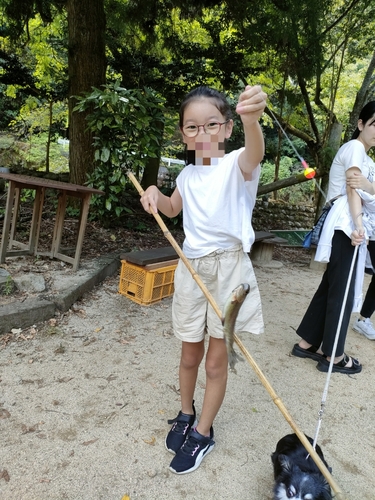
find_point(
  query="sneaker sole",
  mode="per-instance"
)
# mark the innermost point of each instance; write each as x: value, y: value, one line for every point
x: 362, y: 333
x: 198, y: 461
x: 169, y: 449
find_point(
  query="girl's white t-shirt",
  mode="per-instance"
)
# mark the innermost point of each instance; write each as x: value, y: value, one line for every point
x: 217, y: 205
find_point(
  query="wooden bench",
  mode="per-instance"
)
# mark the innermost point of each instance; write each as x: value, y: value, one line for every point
x: 264, y: 243
x: 261, y: 251
x: 150, y: 259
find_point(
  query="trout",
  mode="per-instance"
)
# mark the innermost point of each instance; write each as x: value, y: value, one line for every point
x: 231, y: 310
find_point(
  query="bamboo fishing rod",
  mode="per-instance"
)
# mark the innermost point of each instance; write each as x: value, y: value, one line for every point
x: 275, y: 398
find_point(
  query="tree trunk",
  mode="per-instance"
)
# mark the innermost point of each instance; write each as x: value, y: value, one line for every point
x: 48, y: 145
x: 151, y: 171
x: 277, y: 162
x: 334, y: 143
x: 150, y: 174
x: 86, y: 69
x: 360, y: 99
x: 280, y: 184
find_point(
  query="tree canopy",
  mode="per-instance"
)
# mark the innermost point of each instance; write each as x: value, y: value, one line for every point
x: 314, y: 58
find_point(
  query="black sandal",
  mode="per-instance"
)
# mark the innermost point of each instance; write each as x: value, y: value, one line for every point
x: 341, y: 367
x: 311, y: 352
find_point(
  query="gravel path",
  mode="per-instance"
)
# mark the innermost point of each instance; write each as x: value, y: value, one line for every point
x: 85, y: 399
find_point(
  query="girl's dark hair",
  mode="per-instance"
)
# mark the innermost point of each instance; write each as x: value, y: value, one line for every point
x: 219, y: 99
x: 367, y: 112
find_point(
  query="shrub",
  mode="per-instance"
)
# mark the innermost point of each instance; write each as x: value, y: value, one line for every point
x: 128, y: 127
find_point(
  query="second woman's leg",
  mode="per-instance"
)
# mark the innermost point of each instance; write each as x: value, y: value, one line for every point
x: 311, y: 327
x: 368, y: 306
x: 339, y: 267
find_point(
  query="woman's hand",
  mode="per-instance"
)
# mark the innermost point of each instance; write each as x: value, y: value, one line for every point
x: 358, y: 236
x: 356, y: 180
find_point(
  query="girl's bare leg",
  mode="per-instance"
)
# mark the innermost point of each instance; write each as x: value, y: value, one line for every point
x: 216, y: 383
x: 191, y: 357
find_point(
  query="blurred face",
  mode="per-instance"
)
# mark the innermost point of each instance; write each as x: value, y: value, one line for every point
x: 201, y: 117
x: 367, y: 133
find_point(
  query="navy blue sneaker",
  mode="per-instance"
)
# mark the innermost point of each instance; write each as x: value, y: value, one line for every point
x: 192, y: 452
x: 179, y: 430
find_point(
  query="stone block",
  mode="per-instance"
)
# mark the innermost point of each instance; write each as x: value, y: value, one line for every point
x: 25, y: 314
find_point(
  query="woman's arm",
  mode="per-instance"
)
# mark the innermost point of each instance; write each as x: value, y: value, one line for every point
x: 357, y: 180
x: 355, y: 207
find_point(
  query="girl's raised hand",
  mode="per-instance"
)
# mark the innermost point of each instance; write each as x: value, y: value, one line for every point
x: 251, y: 104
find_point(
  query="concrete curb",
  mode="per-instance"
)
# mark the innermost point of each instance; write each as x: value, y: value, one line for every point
x: 34, y: 310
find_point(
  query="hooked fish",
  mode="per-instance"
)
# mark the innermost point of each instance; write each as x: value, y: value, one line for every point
x: 231, y: 310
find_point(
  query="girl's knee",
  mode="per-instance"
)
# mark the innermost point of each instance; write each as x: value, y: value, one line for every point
x: 192, y: 355
x: 216, y: 367
x: 216, y: 359
x: 189, y: 362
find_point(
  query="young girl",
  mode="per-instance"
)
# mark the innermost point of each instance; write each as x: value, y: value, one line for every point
x: 217, y: 193
x: 349, y: 223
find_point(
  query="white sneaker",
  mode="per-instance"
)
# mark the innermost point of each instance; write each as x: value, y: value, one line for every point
x: 365, y: 327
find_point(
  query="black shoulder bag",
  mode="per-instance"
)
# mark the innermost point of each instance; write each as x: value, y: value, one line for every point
x: 312, y: 237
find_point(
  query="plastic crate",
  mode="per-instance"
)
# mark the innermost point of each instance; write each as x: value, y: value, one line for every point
x: 146, y: 286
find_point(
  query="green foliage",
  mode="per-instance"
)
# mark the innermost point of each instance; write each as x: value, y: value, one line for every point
x: 34, y: 116
x: 309, y: 55
x: 32, y: 154
x: 267, y: 174
x: 20, y: 12
x: 8, y: 286
x: 72, y: 212
x: 50, y: 55
x: 27, y: 195
x: 300, y: 193
x: 127, y: 126
x: 9, y: 150
x: 34, y: 74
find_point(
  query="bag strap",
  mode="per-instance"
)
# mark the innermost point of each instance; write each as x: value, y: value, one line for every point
x: 332, y: 201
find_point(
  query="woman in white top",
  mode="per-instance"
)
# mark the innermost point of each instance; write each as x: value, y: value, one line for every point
x: 352, y: 169
x: 360, y: 181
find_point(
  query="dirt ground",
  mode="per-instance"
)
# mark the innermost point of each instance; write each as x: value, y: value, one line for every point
x: 85, y: 399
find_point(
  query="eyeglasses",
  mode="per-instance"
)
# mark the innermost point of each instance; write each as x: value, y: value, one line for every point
x: 211, y: 128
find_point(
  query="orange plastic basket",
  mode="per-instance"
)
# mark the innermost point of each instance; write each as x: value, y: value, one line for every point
x: 146, y: 286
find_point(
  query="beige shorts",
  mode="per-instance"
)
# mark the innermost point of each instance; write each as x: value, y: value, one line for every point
x: 221, y: 272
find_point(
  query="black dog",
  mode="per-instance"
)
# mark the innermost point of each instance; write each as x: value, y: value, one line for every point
x: 295, y: 472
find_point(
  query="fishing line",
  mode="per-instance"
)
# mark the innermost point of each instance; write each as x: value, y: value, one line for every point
x: 309, y: 173
x: 304, y: 163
